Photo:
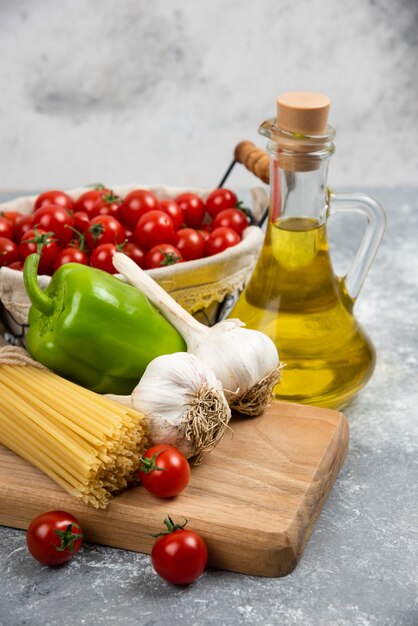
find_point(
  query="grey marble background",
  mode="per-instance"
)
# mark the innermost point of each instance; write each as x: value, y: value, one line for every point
x: 162, y: 91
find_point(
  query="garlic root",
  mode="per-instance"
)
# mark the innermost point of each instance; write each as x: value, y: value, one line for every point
x: 257, y: 399
x: 205, y: 423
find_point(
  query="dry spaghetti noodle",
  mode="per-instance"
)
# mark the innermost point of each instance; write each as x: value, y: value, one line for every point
x: 87, y: 443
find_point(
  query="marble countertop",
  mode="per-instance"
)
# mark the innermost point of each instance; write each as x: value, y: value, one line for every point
x: 360, y: 566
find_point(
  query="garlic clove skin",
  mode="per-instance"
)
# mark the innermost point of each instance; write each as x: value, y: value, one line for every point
x: 125, y: 400
x: 171, y: 381
x: 159, y: 428
x: 239, y: 357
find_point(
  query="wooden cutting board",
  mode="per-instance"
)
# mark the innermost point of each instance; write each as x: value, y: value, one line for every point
x: 255, y: 499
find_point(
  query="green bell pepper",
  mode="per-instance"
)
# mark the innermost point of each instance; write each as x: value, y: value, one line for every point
x: 92, y: 328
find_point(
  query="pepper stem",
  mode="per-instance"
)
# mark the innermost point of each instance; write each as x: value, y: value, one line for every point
x: 39, y: 298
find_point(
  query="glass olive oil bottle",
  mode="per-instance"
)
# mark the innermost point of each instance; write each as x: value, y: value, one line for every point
x: 294, y: 295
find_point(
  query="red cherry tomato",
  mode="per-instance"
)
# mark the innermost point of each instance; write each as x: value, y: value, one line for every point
x: 16, y: 265
x: 136, y: 204
x: 162, y: 255
x: 190, y: 244
x: 9, y: 251
x: 54, y: 218
x: 129, y: 235
x: 54, y: 197
x: 107, y: 204
x: 164, y: 471
x: 70, y: 255
x: 174, y: 211
x: 179, y: 556
x: 81, y: 221
x: 88, y: 199
x: 6, y: 228
x: 220, y: 199
x: 231, y: 218
x: 220, y: 239
x: 135, y: 253
x: 102, y: 257
x: 205, y: 234
x: 153, y: 228
x: 54, y: 537
x: 104, y: 229
x: 22, y: 225
x: 29, y: 244
x: 207, y: 227
x: 193, y: 209
x: 11, y: 216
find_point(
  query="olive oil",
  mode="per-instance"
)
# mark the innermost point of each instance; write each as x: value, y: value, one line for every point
x: 296, y: 299
x: 294, y: 295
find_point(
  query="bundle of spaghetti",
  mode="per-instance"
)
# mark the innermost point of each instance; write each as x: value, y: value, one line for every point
x: 87, y: 443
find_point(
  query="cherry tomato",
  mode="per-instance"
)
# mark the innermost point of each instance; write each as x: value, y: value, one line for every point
x: 54, y: 197
x: 81, y: 221
x: 54, y: 537
x: 11, y: 216
x: 129, y: 235
x: 102, y: 257
x: 164, y: 471
x: 6, y: 228
x: 205, y: 234
x: 162, y: 255
x: 55, y: 218
x: 190, y: 244
x: 206, y: 227
x: 70, y: 255
x: 107, y: 204
x: 153, y: 228
x: 231, y: 218
x: 174, y: 211
x: 193, y: 209
x: 9, y: 251
x: 136, y: 204
x: 29, y: 244
x: 88, y: 199
x: 135, y: 253
x: 220, y: 199
x: 180, y: 555
x: 16, y: 265
x: 22, y: 225
x: 104, y: 229
x: 220, y: 239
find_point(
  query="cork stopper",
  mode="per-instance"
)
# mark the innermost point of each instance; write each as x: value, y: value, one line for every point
x: 303, y: 112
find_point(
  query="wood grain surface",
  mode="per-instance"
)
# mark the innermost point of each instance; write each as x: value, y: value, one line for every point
x: 255, y: 499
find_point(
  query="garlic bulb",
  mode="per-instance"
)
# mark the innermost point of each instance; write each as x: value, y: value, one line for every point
x: 245, y: 361
x: 183, y: 403
x: 254, y: 357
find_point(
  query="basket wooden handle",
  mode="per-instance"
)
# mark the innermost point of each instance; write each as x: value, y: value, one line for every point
x: 255, y: 160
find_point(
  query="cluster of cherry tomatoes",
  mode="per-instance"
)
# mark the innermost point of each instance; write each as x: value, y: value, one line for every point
x: 90, y: 229
x: 179, y: 555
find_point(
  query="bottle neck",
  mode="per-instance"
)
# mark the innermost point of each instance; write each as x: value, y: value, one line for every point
x: 298, y: 194
x: 298, y: 172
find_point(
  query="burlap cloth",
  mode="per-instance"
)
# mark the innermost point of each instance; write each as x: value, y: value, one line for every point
x: 12, y: 355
